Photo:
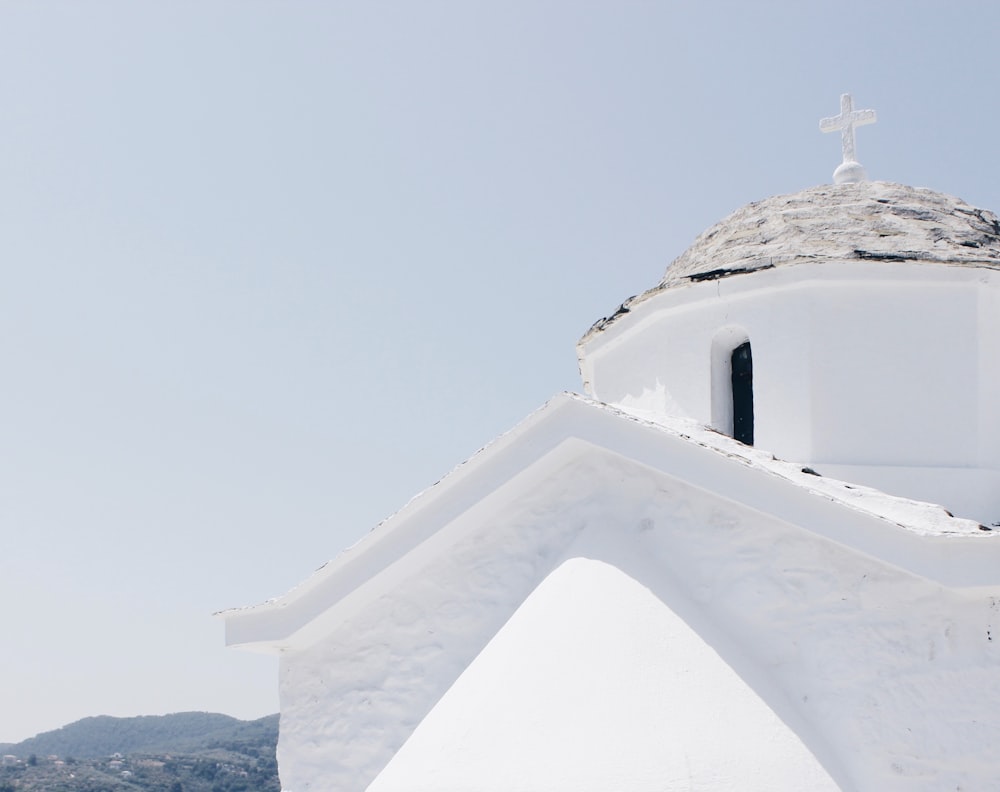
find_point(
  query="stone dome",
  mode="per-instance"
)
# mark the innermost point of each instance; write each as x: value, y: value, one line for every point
x: 878, y: 221
x: 868, y: 221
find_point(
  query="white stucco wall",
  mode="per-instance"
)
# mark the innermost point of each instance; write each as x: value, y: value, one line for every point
x: 775, y: 570
x: 894, y: 373
x: 857, y: 365
x: 849, y: 668
x: 603, y: 687
x: 988, y: 395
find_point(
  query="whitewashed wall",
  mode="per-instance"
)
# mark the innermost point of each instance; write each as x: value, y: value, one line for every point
x: 887, y: 373
x: 833, y: 669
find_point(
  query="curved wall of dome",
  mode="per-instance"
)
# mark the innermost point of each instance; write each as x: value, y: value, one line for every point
x: 881, y: 368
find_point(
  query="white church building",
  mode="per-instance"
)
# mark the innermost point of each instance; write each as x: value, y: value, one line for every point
x: 757, y: 555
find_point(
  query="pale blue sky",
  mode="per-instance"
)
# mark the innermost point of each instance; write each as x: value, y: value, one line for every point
x: 270, y: 269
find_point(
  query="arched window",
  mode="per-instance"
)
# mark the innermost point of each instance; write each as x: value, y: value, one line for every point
x: 741, y: 380
x: 732, y: 383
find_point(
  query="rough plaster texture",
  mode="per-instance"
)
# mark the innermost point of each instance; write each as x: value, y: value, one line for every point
x: 872, y: 676
x: 708, y: 526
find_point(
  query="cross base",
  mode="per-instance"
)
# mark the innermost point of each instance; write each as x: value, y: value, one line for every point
x: 849, y: 173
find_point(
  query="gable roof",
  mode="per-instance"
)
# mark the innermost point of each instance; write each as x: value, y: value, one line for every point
x: 921, y: 538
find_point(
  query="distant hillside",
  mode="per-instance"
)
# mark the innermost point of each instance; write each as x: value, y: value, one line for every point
x: 182, y: 733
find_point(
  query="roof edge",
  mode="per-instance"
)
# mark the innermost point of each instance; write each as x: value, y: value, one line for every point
x: 677, y: 448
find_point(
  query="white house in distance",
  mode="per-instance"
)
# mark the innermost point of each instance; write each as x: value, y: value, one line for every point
x: 722, y: 568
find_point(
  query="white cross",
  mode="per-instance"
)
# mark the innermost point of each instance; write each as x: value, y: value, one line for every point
x: 845, y: 122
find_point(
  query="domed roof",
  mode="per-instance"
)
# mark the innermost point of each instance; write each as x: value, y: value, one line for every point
x: 878, y: 221
x: 874, y: 221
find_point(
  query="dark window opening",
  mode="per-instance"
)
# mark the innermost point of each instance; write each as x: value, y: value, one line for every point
x: 742, y: 364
